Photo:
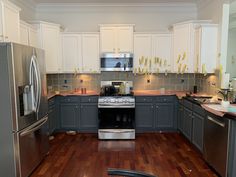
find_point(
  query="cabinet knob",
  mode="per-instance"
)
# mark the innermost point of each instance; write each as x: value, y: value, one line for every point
x: 157, y: 107
x: 6, y: 37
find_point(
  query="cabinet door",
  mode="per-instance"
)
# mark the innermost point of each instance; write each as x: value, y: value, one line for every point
x: 187, y: 123
x: 71, y: 53
x: 183, y: 40
x: 124, y: 39
x: 52, y: 116
x: 12, y: 23
x: 197, y: 138
x: 180, y: 118
x: 69, y: 115
x: 208, y: 48
x: 142, y: 49
x: 90, y: 51
x: 50, y: 37
x: 24, y: 34
x: 144, y: 117
x: 162, y: 49
x: 164, y: 115
x: 34, y: 37
x: 107, y: 39
x: 88, y: 117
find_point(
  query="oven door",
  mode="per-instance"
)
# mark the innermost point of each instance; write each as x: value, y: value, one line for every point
x: 119, y: 62
x: 116, y: 123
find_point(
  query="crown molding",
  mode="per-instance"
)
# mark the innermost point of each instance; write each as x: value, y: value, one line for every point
x: 29, y: 4
x: 202, y: 4
x: 97, y: 7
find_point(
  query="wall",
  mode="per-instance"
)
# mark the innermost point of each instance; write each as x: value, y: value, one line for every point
x: 146, y: 17
x: 28, y: 9
x: 179, y: 82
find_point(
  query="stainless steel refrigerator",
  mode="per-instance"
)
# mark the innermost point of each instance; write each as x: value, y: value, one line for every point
x: 23, y: 109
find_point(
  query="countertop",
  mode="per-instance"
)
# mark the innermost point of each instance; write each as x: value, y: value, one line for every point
x: 179, y: 94
x: 221, y: 111
x: 71, y: 93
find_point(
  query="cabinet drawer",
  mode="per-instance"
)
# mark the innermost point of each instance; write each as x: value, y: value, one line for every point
x: 51, y: 101
x: 89, y: 99
x: 164, y: 99
x: 142, y: 99
x: 188, y: 104
x: 199, y: 110
x: 181, y: 101
x: 69, y: 99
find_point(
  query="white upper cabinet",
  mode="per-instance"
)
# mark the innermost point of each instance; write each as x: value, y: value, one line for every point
x: 71, y: 53
x: 80, y: 53
x: 152, y: 53
x: 24, y: 33
x: 49, y: 39
x: 206, y: 37
x: 162, y: 53
x: 9, y: 22
x: 142, y: 52
x: 29, y: 35
x: 195, y: 47
x: 183, y: 40
x: 90, y: 53
x: 116, y: 39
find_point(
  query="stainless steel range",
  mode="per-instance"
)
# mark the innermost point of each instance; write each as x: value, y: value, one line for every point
x: 116, y: 117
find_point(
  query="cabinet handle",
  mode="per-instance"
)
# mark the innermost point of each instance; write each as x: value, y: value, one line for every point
x: 1, y: 36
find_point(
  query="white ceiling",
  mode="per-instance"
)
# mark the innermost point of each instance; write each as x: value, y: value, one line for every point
x: 115, y: 1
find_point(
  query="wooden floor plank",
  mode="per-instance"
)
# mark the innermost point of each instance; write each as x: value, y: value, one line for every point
x: 160, y: 154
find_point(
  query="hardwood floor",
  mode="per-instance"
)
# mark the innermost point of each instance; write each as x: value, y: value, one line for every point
x: 160, y: 154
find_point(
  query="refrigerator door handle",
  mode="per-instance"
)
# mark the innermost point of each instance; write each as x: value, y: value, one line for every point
x: 38, y: 83
x: 32, y: 84
x: 39, y: 86
x: 34, y: 127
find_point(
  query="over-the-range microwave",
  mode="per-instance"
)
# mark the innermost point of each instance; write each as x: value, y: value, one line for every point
x: 116, y: 62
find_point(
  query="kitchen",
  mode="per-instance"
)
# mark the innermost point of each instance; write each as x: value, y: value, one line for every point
x: 121, y: 70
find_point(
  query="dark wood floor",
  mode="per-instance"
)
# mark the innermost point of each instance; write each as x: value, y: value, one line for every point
x: 161, y: 154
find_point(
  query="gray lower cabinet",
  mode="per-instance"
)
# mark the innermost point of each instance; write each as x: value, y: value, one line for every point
x: 69, y: 113
x: 180, y: 117
x: 144, y: 117
x: 191, y: 122
x: 53, y: 120
x: 187, y: 123
x: 155, y: 113
x: 197, y: 132
x: 88, y: 121
x: 164, y: 116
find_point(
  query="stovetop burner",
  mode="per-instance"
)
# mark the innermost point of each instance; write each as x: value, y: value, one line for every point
x: 116, y: 101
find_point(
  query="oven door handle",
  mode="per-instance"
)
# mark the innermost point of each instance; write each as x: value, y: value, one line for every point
x: 116, y: 131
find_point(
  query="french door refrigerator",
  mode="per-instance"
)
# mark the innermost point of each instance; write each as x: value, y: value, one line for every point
x: 23, y: 109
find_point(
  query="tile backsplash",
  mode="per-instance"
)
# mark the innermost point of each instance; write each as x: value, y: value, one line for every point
x: 179, y: 82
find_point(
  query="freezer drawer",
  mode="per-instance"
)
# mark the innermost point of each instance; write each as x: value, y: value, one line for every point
x: 32, y: 146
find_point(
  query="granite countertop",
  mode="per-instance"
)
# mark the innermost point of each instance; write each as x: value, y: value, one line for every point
x: 221, y: 111
x: 179, y: 94
x: 71, y: 93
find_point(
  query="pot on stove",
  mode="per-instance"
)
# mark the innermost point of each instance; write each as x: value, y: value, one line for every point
x: 108, y: 90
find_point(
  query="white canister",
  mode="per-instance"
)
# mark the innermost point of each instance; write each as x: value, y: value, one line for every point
x: 234, y: 83
x: 127, y: 88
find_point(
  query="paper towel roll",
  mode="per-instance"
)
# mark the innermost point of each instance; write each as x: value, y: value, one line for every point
x: 225, y: 80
